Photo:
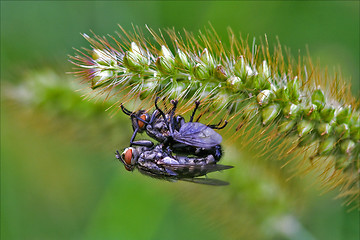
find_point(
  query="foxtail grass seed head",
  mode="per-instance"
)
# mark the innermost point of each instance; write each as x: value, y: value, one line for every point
x: 286, y: 126
x: 269, y: 113
x: 304, y: 127
x: 324, y: 128
x: 327, y: 145
x: 291, y: 110
x: 245, y: 84
x: 327, y: 114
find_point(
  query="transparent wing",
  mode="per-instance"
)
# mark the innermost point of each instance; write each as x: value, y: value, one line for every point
x: 207, y: 181
x: 198, y: 135
x: 191, y: 171
x: 185, y: 172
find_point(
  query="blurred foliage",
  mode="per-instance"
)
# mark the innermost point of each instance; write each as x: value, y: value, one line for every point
x: 33, y: 32
x: 59, y: 177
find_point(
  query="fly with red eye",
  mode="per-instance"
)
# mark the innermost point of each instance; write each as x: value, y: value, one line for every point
x: 159, y: 162
x: 183, y: 137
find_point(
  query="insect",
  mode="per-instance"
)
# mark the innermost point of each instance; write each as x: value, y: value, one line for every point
x: 158, y: 162
x: 183, y: 137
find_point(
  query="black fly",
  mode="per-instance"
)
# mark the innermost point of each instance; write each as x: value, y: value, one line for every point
x: 184, y: 137
x: 158, y: 162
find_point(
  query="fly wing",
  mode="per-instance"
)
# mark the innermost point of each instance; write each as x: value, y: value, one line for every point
x: 158, y: 175
x: 191, y: 170
x: 185, y: 172
x: 198, y: 135
x: 207, y: 181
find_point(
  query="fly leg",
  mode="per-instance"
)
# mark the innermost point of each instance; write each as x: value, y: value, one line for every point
x: 131, y: 114
x: 143, y: 143
x: 171, y: 123
x: 127, y: 112
x: 171, y: 116
x: 197, y: 103
x: 160, y: 111
x: 153, y: 117
x: 216, y: 126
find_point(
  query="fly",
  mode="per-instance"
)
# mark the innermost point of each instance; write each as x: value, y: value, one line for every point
x: 184, y: 137
x: 159, y: 162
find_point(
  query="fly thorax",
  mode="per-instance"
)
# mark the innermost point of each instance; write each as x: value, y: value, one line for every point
x: 168, y: 160
x: 149, y: 155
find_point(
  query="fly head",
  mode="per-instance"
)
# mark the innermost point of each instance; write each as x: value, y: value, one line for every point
x: 140, y: 120
x: 128, y: 157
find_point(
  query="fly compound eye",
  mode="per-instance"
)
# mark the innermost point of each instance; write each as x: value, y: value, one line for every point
x: 141, y: 124
x: 127, y: 156
x: 144, y: 117
x: 140, y: 120
x: 128, y: 159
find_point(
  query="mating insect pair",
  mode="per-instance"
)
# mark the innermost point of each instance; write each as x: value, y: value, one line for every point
x: 199, y: 142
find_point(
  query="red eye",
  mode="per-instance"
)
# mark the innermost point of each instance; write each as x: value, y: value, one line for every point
x: 140, y: 123
x: 128, y: 156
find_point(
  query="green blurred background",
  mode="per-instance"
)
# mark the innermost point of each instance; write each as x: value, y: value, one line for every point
x: 59, y: 178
